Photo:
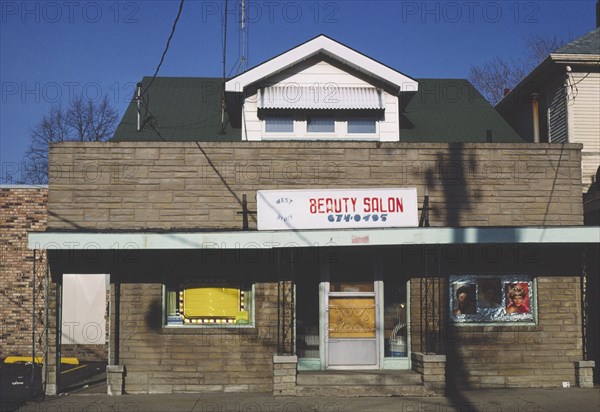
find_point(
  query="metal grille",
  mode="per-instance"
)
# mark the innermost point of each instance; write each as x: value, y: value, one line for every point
x: 39, y: 315
x: 286, y: 305
x: 431, y: 303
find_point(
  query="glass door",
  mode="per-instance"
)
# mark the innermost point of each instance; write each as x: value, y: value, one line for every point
x: 352, y: 337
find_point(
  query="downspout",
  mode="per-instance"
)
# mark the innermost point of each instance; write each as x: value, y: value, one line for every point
x: 535, y: 110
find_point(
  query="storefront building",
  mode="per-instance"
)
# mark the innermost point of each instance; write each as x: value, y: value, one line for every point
x: 338, y: 237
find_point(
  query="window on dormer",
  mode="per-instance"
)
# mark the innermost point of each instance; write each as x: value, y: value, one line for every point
x: 362, y: 124
x: 320, y: 123
x: 279, y: 123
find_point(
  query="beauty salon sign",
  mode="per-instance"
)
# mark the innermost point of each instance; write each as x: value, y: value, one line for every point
x: 337, y: 208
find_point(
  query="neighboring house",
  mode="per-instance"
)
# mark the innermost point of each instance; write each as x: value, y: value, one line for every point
x: 283, y: 250
x: 565, y: 88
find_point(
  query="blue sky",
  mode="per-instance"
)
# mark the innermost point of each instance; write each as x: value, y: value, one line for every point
x: 52, y: 50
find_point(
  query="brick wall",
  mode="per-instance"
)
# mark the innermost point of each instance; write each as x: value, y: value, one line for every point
x: 22, y: 210
x: 189, y: 185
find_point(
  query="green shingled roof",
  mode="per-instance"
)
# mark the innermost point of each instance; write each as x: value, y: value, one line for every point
x: 586, y: 44
x: 177, y: 109
x: 189, y: 109
x: 452, y: 110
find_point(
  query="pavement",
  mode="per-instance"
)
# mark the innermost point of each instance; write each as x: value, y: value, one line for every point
x: 493, y: 400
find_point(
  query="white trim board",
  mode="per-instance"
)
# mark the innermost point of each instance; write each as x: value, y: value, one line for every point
x: 329, y: 47
x: 314, y: 238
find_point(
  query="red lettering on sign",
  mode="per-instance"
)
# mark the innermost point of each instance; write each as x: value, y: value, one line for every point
x: 383, y: 205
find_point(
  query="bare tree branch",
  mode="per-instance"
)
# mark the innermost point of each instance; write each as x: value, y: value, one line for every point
x: 493, y: 77
x: 84, y: 121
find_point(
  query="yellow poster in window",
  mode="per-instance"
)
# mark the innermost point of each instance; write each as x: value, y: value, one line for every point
x: 202, y: 302
x: 352, y: 317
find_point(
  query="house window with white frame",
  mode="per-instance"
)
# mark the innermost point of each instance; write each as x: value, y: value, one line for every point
x: 320, y: 122
x: 279, y: 123
x: 363, y: 123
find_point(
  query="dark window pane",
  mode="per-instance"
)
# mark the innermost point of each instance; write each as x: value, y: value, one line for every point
x: 320, y: 124
x: 279, y: 124
x: 361, y: 124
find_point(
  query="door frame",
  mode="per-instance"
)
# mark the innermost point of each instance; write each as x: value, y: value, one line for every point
x: 324, y: 319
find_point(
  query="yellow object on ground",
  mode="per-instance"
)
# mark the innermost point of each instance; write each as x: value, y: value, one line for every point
x: 38, y: 359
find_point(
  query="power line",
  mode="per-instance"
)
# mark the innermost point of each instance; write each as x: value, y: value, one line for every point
x: 162, y: 58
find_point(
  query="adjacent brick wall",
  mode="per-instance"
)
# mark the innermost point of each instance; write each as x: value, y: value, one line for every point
x: 189, y: 185
x: 22, y: 210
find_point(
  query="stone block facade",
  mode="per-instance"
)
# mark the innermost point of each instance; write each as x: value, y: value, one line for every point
x: 118, y: 186
x: 585, y: 373
x: 195, y: 359
x: 284, y: 375
x: 484, y: 356
x: 199, y: 186
x: 432, y: 369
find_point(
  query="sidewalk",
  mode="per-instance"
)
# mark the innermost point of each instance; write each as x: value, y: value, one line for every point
x: 495, y: 400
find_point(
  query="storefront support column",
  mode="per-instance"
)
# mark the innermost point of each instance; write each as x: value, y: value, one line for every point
x: 432, y: 369
x: 52, y: 363
x: 115, y: 373
x: 584, y: 373
x: 284, y: 375
x: 114, y: 379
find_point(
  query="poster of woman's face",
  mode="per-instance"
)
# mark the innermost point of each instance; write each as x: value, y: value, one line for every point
x: 489, y: 293
x: 464, y: 299
x: 517, y: 298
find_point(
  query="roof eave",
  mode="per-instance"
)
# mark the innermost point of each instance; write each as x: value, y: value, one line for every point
x: 575, y: 58
x: 541, y: 68
x: 325, y: 45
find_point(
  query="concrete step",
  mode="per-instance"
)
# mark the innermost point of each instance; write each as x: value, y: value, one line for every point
x: 363, y: 391
x: 358, y: 378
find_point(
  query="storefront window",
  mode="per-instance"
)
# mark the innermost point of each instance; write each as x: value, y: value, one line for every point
x: 489, y: 299
x: 202, y: 304
x: 394, y: 322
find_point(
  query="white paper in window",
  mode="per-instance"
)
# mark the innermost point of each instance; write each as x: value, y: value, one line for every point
x: 83, y: 309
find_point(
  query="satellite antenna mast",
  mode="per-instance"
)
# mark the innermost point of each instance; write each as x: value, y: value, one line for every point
x: 244, y: 35
x: 224, y: 69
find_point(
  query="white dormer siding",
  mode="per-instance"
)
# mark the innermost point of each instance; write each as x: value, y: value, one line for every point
x: 321, y: 66
x: 329, y: 88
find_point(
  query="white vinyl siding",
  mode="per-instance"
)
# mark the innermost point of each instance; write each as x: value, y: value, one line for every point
x: 319, y: 73
x: 584, y: 106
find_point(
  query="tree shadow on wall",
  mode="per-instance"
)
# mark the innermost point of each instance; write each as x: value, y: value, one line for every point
x: 153, y: 317
x: 454, y: 177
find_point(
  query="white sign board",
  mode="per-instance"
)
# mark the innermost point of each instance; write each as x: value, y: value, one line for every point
x: 336, y: 208
x: 84, y: 309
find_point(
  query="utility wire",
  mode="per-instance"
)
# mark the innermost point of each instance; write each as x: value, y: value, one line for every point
x: 162, y: 58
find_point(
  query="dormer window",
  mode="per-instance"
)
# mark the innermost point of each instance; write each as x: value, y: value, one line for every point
x: 366, y: 124
x: 320, y: 123
x: 279, y: 123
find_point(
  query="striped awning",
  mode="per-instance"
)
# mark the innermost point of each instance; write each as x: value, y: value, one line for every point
x: 328, y: 96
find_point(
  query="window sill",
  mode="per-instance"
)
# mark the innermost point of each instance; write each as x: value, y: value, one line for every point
x: 194, y: 329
